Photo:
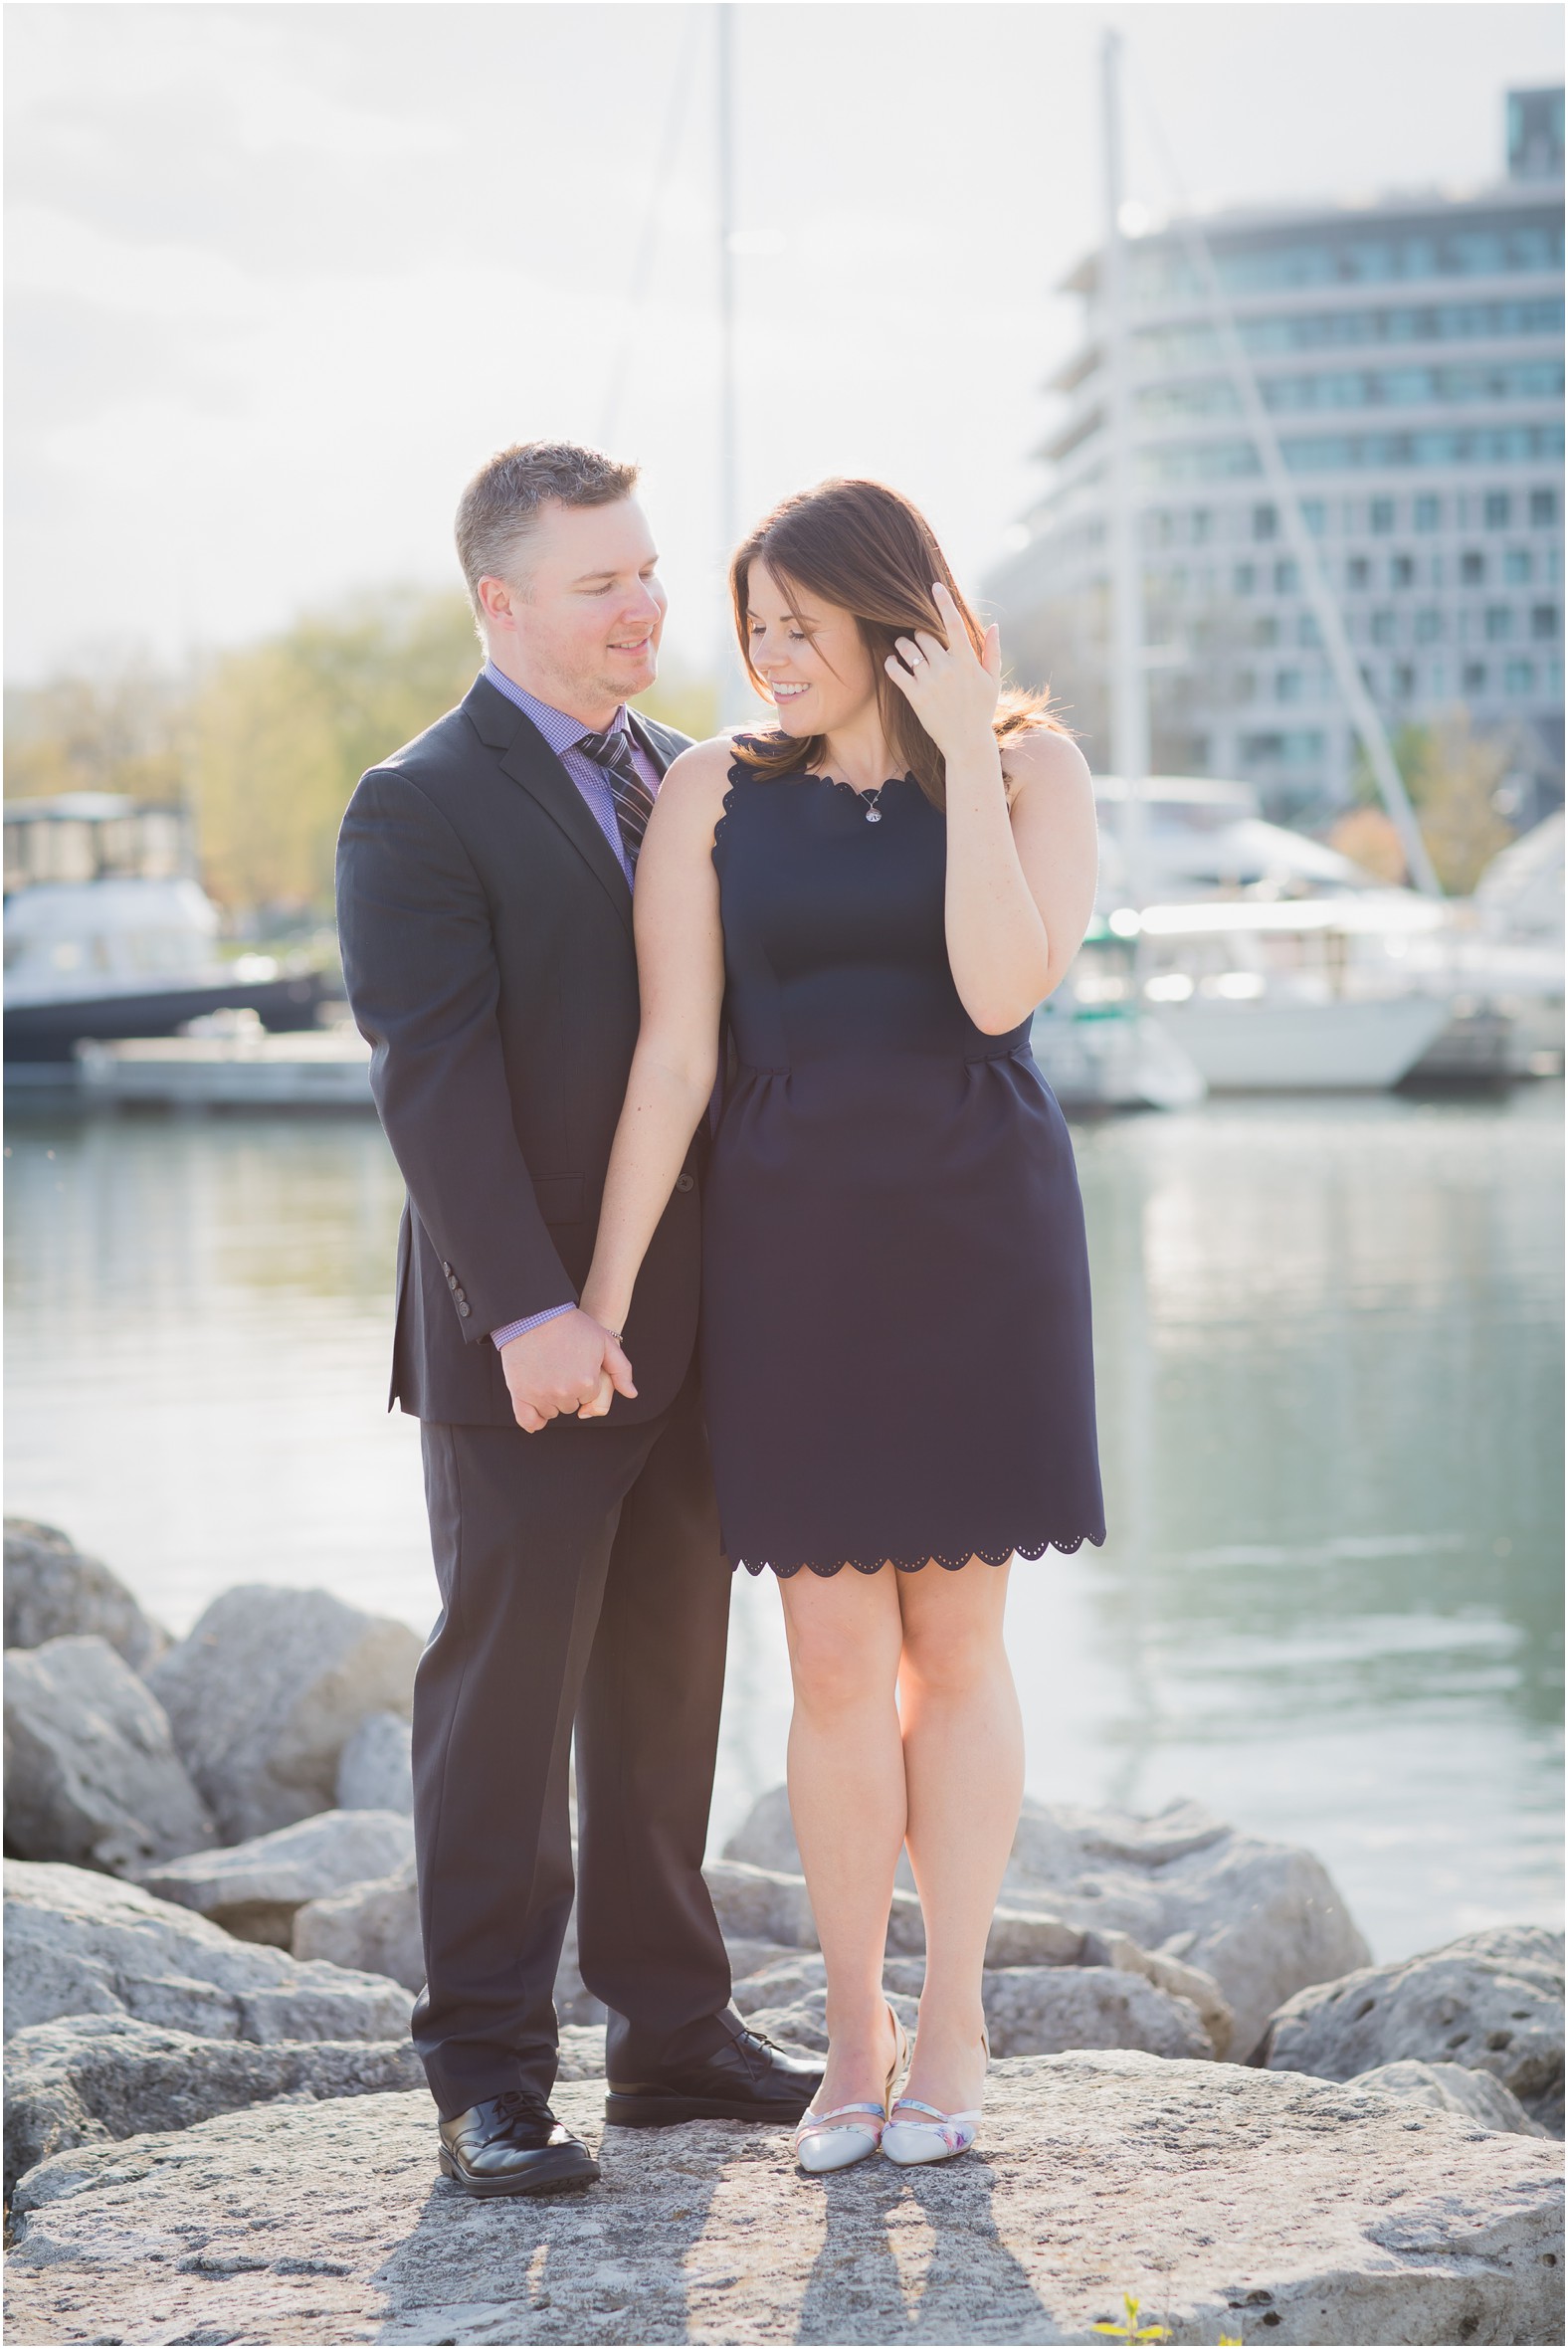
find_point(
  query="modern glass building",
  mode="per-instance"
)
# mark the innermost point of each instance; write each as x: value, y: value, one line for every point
x: 1411, y: 354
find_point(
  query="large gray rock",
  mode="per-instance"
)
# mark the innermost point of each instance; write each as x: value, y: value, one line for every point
x: 254, y: 1889
x: 765, y: 1837
x: 77, y: 1943
x: 1262, y: 1919
x: 1492, y: 2002
x: 376, y: 1926
x: 266, y: 1693
x: 747, y: 1957
x: 91, y: 1772
x: 762, y: 1902
x: 375, y: 1770
x: 86, y: 2078
x: 373, y: 1926
x: 580, y: 2053
x: 1449, y: 2087
x: 1257, y: 2205
x: 1048, y: 2010
x: 1028, y: 2009
x: 1190, y: 1984
x: 767, y: 1903
x: 52, y: 1592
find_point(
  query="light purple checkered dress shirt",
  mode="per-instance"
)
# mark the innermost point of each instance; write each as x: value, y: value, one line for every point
x: 563, y: 734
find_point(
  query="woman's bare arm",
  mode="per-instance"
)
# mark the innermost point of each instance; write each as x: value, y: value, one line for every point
x: 1057, y: 842
x: 681, y: 973
x: 1022, y: 852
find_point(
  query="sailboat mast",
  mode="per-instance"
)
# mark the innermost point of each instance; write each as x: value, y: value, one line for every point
x: 728, y: 489
x: 734, y: 702
x: 1129, y: 709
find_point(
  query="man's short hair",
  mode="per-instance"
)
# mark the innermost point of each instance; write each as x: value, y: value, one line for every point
x: 500, y: 505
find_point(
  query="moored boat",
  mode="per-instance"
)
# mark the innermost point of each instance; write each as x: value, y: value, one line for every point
x: 108, y: 935
x: 1268, y: 961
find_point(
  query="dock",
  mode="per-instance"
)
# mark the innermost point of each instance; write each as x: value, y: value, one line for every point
x: 321, y: 1068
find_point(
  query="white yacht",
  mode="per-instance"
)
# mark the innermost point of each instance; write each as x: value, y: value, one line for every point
x: 108, y: 933
x: 1241, y: 954
x: 1306, y: 994
x: 1188, y: 836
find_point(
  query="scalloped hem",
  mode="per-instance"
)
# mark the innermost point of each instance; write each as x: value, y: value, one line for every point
x: 1066, y: 1543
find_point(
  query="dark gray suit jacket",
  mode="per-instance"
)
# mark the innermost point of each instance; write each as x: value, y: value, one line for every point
x: 486, y: 939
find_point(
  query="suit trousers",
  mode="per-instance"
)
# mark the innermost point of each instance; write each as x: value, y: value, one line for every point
x: 582, y: 1584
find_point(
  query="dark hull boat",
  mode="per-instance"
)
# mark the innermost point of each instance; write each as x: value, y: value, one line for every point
x: 109, y: 935
x: 52, y: 1031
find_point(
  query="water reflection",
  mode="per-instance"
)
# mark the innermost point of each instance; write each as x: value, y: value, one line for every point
x: 1330, y: 1344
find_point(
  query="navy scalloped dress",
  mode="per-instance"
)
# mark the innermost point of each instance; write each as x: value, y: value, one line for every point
x: 897, y: 1363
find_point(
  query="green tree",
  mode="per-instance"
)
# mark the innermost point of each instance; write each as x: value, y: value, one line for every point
x: 120, y: 729
x: 1451, y: 774
x: 280, y: 734
x: 268, y: 741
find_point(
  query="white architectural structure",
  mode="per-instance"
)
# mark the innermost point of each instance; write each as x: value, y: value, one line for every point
x: 1411, y: 354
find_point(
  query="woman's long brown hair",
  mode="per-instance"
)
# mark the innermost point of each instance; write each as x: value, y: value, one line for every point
x: 866, y: 548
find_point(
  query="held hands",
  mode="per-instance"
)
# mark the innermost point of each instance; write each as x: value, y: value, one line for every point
x: 570, y: 1367
x: 952, y: 692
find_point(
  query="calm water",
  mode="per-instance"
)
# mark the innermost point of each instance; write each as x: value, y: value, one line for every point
x: 1329, y: 1344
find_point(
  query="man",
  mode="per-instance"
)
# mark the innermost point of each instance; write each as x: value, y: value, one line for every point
x: 484, y: 907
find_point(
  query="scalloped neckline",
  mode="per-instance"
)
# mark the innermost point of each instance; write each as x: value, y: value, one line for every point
x: 854, y: 789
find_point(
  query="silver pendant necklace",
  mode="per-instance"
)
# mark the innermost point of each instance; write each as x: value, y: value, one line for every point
x: 870, y: 799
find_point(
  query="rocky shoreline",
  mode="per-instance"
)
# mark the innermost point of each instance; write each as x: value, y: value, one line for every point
x: 1205, y: 2095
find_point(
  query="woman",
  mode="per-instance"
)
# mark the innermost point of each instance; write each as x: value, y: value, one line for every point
x: 873, y: 897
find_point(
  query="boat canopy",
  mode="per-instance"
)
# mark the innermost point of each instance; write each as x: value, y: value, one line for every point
x: 1199, y: 836
x: 93, y: 836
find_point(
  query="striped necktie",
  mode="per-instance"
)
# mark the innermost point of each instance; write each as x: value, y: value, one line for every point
x: 633, y: 802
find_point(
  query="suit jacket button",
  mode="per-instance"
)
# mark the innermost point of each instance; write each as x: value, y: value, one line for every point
x: 686, y: 1182
x: 446, y: 1268
x: 464, y: 1310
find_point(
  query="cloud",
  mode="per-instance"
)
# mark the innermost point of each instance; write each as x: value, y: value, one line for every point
x: 54, y: 251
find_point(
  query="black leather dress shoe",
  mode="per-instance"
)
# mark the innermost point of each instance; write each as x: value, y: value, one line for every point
x: 513, y: 2144
x: 748, y: 2078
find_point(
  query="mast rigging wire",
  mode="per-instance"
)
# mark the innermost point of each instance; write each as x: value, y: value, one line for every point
x: 648, y: 242
x: 1320, y: 596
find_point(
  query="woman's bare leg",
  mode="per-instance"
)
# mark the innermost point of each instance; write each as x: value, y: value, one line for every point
x: 847, y: 1799
x: 963, y: 1753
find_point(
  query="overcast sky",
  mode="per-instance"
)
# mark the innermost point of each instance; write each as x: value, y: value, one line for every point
x: 281, y: 276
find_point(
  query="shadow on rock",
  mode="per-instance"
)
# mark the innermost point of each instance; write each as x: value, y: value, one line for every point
x: 608, y: 2266
x: 923, y: 2240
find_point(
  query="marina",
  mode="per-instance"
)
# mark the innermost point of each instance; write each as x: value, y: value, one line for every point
x: 1230, y: 955
x: 1227, y: 954
x: 1328, y: 1349
x: 1242, y: 419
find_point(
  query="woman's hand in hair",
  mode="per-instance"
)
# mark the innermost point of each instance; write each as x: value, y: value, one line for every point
x: 952, y: 689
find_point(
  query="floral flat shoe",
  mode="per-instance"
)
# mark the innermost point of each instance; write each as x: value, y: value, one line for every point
x: 940, y: 2136
x: 835, y: 2140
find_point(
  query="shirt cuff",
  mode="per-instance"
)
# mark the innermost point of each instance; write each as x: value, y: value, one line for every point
x: 503, y: 1336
